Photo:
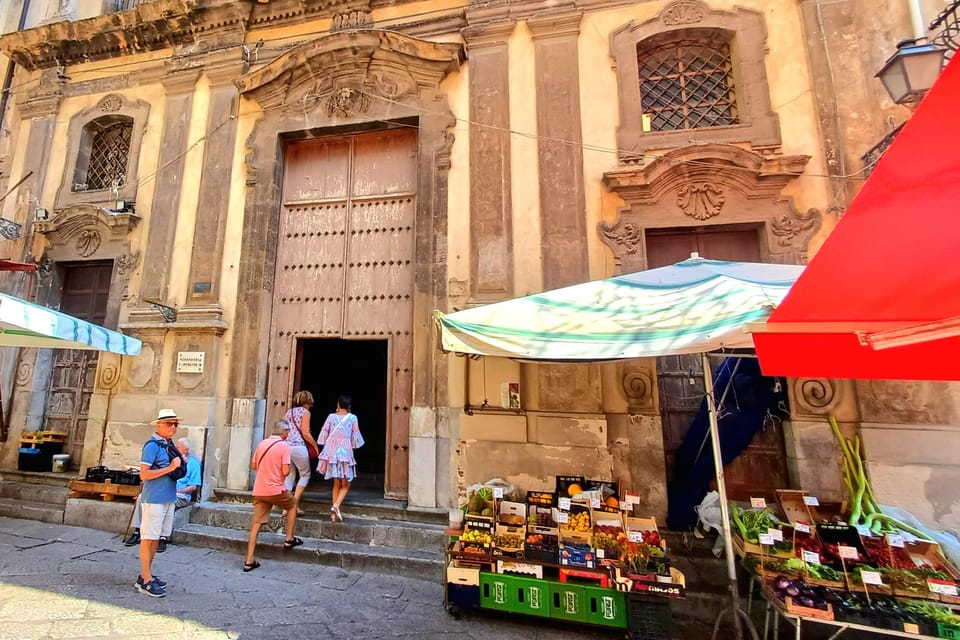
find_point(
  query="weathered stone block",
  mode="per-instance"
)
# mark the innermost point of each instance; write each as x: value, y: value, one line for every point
x: 421, y: 487
x: 493, y: 427
x: 576, y: 431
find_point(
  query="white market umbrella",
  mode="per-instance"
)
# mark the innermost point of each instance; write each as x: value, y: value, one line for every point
x: 693, y: 306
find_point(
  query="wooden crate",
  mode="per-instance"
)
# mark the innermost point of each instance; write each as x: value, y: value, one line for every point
x: 106, y: 490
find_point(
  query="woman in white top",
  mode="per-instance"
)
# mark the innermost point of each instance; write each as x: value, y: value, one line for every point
x: 299, y: 440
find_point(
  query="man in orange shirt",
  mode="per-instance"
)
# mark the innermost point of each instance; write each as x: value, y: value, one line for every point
x: 271, y: 461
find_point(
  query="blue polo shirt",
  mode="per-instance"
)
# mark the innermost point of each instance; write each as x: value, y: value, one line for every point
x: 192, y: 479
x: 162, y: 490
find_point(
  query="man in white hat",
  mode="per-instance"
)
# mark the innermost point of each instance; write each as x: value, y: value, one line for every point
x: 159, y: 471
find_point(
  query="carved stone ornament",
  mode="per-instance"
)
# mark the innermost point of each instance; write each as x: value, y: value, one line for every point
x: 24, y: 374
x: 815, y: 396
x: 108, y: 372
x: 624, y: 234
x: 638, y: 387
x: 111, y: 103
x: 786, y: 228
x: 683, y: 12
x: 352, y: 18
x: 347, y: 102
x: 88, y: 241
x: 701, y: 200
x: 127, y: 263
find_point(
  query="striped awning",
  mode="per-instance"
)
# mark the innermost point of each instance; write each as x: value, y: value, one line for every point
x: 24, y: 324
x: 694, y: 306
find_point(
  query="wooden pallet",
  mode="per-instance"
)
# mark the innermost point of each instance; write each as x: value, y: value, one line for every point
x: 106, y: 490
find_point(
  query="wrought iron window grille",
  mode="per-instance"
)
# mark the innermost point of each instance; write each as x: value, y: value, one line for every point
x: 686, y: 84
x: 947, y: 28
x: 109, y: 151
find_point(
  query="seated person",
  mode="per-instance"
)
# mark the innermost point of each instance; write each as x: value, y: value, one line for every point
x: 187, y: 487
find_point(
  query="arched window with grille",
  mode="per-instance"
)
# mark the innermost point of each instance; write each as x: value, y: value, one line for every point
x: 104, y: 154
x: 686, y: 83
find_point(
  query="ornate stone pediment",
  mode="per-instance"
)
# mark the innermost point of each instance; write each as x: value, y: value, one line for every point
x: 708, y: 184
x: 344, y: 71
x: 87, y: 226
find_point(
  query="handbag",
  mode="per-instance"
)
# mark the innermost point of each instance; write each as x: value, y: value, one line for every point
x: 312, y: 450
x: 172, y: 451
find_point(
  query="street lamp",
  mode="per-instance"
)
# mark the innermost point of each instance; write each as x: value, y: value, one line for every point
x: 911, y: 71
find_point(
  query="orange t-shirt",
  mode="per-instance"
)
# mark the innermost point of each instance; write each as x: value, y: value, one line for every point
x: 269, y: 456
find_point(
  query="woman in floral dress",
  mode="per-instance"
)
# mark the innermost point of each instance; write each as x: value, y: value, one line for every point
x: 339, y: 436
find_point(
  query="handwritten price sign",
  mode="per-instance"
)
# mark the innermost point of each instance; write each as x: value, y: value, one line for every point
x: 766, y: 539
x: 802, y: 527
x: 811, y: 557
x: 811, y: 501
x: 871, y: 577
x: 758, y: 503
x: 564, y: 504
x: 848, y: 553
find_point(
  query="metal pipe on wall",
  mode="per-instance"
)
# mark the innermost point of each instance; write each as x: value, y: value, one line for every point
x: 916, y: 19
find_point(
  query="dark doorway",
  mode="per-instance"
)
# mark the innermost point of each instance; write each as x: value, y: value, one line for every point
x: 358, y: 368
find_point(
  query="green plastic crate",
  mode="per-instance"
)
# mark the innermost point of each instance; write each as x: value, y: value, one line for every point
x: 607, y: 607
x: 568, y: 602
x: 948, y: 631
x: 531, y: 596
x: 498, y: 592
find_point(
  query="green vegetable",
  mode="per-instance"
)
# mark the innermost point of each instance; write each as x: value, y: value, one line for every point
x: 932, y: 611
x: 750, y: 523
x: 823, y: 572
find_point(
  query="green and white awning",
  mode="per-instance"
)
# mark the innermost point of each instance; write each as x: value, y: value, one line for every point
x: 24, y: 324
x: 693, y: 306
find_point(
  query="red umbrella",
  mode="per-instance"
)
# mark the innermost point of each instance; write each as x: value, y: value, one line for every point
x: 881, y: 299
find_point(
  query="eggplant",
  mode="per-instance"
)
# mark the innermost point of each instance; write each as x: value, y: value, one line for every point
x: 807, y: 592
x: 804, y: 602
x: 782, y: 582
x: 792, y: 591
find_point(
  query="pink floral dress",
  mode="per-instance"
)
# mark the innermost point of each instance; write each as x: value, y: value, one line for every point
x: 339, y: 436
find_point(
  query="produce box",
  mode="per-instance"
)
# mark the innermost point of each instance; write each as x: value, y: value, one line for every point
x: 463, y: 573
x: 542, y: 547
x: 795, y: 509
x: 542, y: 498
x: 520, y: 568
x: 834, y: 535
x: 542, y: 517
x: 573, y: 554
x: 578, y: 527
x: 810, y: 612
x: 643, y: 530
x: 564, y: 484
x: 508, y: 541
x: 606, y: 528
x: 482, y: 523
x: 513, y: 514
x: 930, y: 554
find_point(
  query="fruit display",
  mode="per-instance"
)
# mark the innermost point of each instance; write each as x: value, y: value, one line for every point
x: 508, y: 542
x: 480, y: 504
x: 577, y: 521
x: 574, y: 490
x: 607, y: 542
x: 475, y: 536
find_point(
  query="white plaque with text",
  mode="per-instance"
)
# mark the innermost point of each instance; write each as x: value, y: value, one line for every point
x: 190, y: 361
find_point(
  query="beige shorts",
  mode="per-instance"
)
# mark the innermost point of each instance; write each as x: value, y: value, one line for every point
x: 263, y: 504
x: 156, y: 520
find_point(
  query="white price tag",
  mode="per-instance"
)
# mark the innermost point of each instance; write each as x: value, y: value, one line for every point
x: 943, y: 587
x: 498, y: 493
x: 766, y: 539
x: 626, y: 506
x: 564, y: 504
x: 811, y: 557
x: 911, y: 627
x: 595, y: 503
x: 562, y: 517
x: 775, y: 534
x: 635, y: 536
x: 758, y: 503
x: 895, y: 540
x: 633, y: 498
x: 802, y: 527
x: 848, y: 553
x: 864, y: 530
x: 600, y: 554
x: 871, y: 577
x: 811, y: 501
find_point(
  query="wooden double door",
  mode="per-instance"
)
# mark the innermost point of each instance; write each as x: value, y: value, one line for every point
x: 762, y: 467
x: 345, y: 270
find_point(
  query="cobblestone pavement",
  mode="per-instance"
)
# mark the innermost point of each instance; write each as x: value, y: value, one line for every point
x: 69, y: 582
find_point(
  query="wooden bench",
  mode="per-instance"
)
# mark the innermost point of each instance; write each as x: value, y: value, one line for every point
x: 106, y: 490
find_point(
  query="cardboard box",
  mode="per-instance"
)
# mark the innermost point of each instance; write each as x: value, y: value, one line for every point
x: 577, y: 555
x: 512, y: 513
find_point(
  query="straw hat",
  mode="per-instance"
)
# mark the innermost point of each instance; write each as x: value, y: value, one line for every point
x: 165, y: 415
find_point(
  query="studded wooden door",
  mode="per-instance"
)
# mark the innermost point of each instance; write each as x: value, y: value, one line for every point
x: 84, y: 295
x: 345, y: 265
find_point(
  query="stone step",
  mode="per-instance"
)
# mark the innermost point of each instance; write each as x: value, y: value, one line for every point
x: 28, y: 510
x: 357, y: 505
x: 424, y: 565
x: 34, y: 492
x: 37, y: 477
x: 354, y: 529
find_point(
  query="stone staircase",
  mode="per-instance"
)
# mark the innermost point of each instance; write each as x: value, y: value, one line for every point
x: 34, y: 496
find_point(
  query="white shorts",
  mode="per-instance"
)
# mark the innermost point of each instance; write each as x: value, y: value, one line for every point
x: 156, y: 520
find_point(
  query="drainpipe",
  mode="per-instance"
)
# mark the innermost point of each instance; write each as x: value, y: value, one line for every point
x: 916, y: 20
x: 11, y: 67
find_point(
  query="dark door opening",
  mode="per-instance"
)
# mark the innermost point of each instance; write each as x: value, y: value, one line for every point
x: 328, y: 368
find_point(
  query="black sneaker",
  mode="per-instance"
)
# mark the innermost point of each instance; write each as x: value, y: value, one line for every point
x: 139, y: 582
x: 152, y: 589
x: 133, y: 540
x: 162, y: 545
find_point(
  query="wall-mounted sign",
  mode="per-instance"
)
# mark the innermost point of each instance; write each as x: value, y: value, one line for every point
x: 190, y: 361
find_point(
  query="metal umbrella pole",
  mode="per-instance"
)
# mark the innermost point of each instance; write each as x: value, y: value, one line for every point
x: 735, y: 611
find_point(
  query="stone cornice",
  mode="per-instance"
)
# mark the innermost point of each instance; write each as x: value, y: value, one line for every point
x: 149, y: 26
x: 489, y: 34
x: 553, y: 25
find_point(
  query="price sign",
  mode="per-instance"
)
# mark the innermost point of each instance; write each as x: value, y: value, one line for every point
x: 848, y: 553
x: 758, y: 503
x: 562, y: 517
x: 775, y: 534
x: 811, y: 501
x: 943, y: 587
x: 766, y: 539
x: 911, y: 627
x: 871, y: 577
x: 864, y: 530
x: 564, y: 504
x: 811, y: 557
x: 626, y: 506
x: 498, y: 493
x: 595, y: 503
x: 633, y: 498
x: 635, y: 536
x: 802, y: 527
x: 600, y: 554
x: 895, y: 540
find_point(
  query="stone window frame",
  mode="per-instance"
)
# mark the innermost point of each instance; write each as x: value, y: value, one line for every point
x: 111, y: 107
x: 93, y: 134
x: 747, y: 34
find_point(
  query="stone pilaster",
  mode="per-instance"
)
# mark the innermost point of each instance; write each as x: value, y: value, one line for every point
x: 491, y: 241
x: 562, y: 199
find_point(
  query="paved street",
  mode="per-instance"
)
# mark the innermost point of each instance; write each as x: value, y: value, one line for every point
x: 69, y: 582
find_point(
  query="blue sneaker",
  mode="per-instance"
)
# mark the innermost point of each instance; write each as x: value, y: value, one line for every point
x: 152, y: 589
x: 139, y: 582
